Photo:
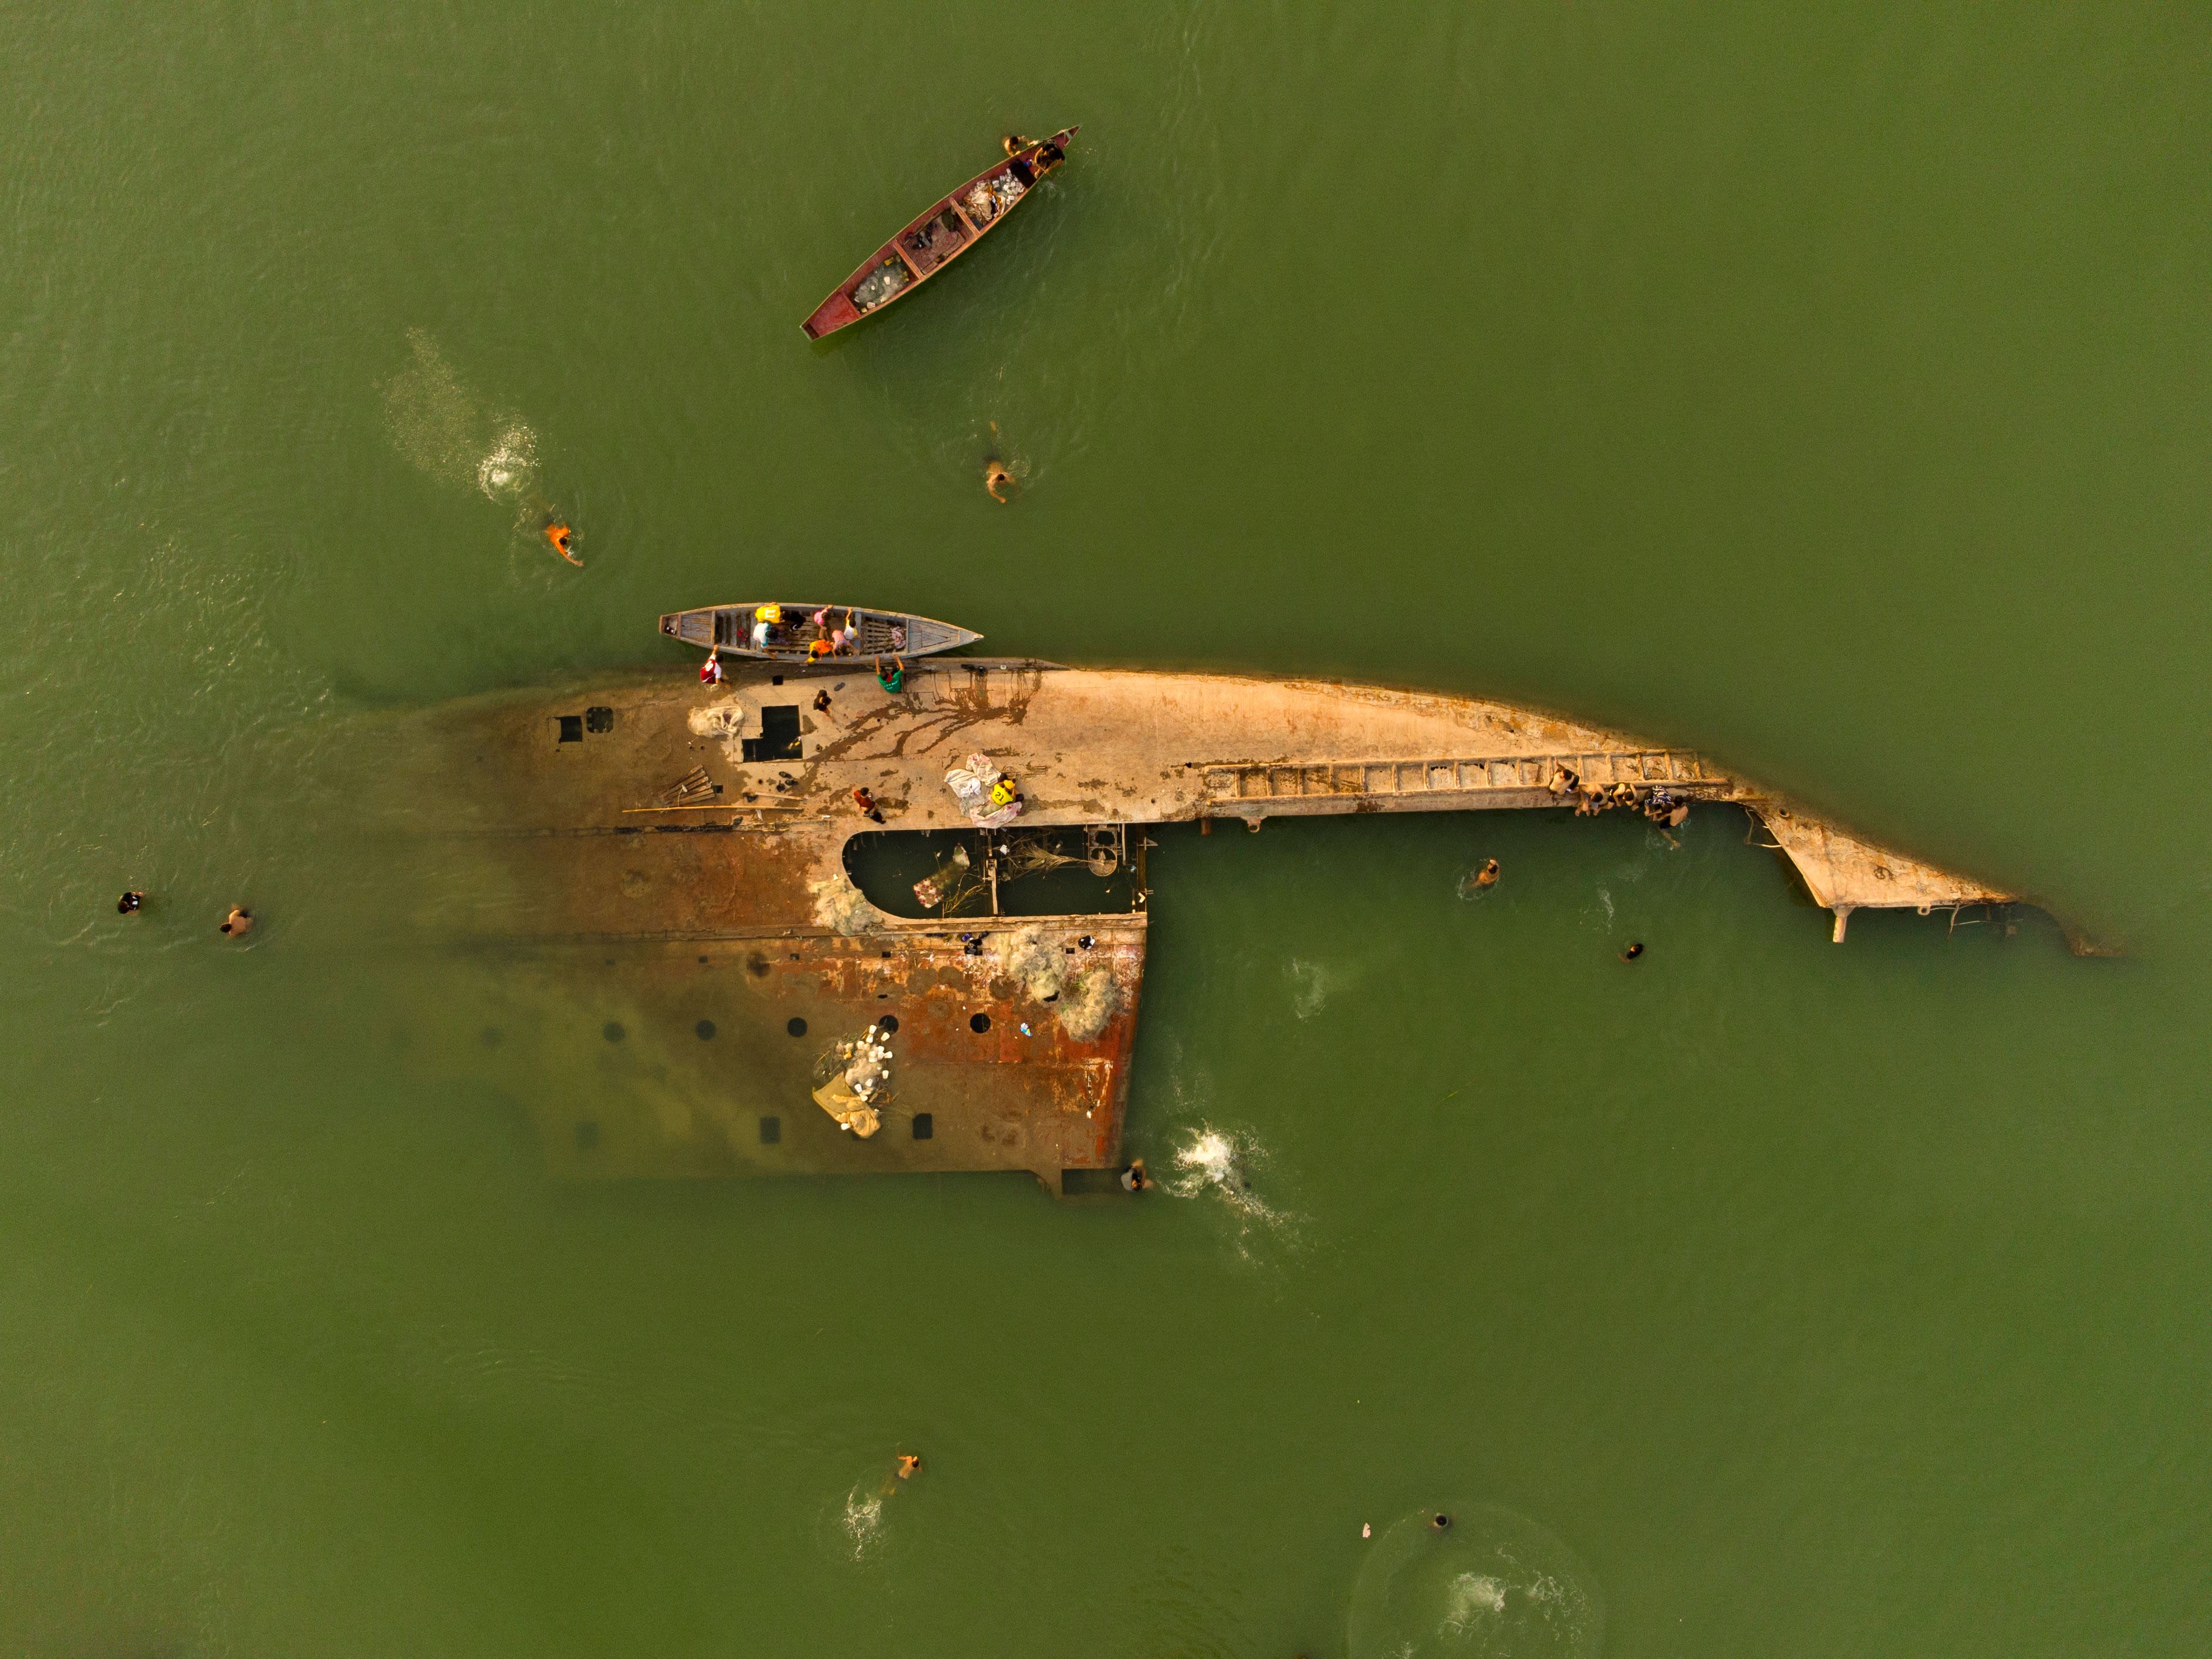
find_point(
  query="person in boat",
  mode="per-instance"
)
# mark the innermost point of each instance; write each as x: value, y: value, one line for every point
x: 766, y: 621
x: 821, y: 648
x: 893, y: 681
x: 1027, y: 172
x: 557, y: 534
x: 710, y: 671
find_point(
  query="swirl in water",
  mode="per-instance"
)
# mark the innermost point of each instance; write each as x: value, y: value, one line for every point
x: 1474, y: 1579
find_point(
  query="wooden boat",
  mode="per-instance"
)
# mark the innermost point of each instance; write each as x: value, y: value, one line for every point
x: 738, y: 629
x: 947, y: 229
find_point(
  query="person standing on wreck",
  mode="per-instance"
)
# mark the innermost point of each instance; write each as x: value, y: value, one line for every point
x: 895, y: 681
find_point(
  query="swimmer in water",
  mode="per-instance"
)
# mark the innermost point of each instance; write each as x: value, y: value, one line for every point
x: 1016, y: 143
x: 908, y: 1465
x: 1487, y: 875
x: 238, y: 923
x: 558, y: 536
x: 1634, y: 951
x: 996, y: 478
x: 130, y: 904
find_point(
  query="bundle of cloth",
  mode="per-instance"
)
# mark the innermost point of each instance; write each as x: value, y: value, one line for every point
x: 986, y: 794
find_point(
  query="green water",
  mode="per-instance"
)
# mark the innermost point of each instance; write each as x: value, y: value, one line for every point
x: 1823, y: 386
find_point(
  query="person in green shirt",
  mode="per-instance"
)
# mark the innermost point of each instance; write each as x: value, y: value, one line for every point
x: 894, y: 680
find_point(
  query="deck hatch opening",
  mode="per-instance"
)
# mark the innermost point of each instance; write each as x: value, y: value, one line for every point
x: 572, y: 728
x: 925, y: 1126
x: 598, y: 719
x: 779, y: 737
x: 771, y: 1131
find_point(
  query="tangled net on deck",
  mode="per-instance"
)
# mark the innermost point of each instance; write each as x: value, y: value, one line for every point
x: 841, y: 907
x: 1089, y: 1002
x: 1034, y: 961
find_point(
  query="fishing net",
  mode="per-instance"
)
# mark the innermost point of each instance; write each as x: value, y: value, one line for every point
x: 841, y: 907
x: 1034, y: 855
x: 980, y: 204
x: 1026, y: 956
x: 1089, y: 1002
x: 879, y: 284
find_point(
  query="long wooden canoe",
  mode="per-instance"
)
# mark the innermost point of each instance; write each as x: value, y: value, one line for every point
x: 945, y: 230
x: 736, y: 629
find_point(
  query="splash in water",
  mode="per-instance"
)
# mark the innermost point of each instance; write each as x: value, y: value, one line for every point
x: 505, y: 473
x: 1310, y: 984
x: 1214, y: 1164
x: 1470, y: 1596
x: 863, y: 1519
x: 442, y: 427
x: 1489, y: 1582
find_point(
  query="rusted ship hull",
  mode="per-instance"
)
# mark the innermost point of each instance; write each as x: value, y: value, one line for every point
x: 675, y: 938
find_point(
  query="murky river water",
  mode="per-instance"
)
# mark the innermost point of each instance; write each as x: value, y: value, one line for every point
x: 1823, y: 386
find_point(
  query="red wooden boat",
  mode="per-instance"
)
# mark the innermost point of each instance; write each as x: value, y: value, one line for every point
x: 946, y: 231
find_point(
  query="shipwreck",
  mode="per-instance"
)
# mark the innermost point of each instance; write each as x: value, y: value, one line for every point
x: 774, y: 939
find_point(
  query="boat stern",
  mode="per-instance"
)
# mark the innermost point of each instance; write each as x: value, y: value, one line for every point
x: 692, y: 627
x: 832, y: 314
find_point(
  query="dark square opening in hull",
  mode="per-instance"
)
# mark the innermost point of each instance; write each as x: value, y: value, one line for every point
x: 779, y: 737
